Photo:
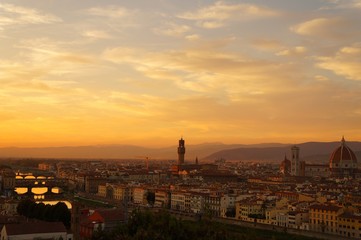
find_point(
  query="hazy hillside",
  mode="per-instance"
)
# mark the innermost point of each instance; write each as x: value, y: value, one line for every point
x: 114, y: 152
x: 311, y: 152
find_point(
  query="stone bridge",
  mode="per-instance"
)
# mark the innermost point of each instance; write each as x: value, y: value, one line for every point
x: 31, y: 183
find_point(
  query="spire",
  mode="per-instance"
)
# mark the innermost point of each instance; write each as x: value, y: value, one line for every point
x: 343, y: 141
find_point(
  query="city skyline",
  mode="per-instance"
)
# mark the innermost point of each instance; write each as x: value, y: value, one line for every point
x: 149, y: 72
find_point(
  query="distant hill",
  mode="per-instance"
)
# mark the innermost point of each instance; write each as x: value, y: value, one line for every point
x: 315, y: 152
x: 275, y: 152
x: 114, y: 152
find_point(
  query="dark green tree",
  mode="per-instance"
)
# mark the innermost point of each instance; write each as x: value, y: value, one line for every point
x: 151, y: 198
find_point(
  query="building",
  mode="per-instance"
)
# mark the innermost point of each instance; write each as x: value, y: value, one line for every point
x: 296, y: 219
x: 8, y: 207
x: 343, y: 162
x: 7, y: 180
x: 249, y: 208
x: 46, y: 166
x: 140, y: 195
x: 178, y: 201
x: 196, y: 202
x: 101, y: 219
x: 122, y: 193
x: 181, y: 152
x: 285, y: 167
x: 316, y: 170
x: 35, y: 230
x: 92, y: 182
x: 323, y: 218
x: 295, y: 161
x: 106, y: 191
x: 162, y: 199
x: 212, y: 204
x: 228, y: 204
x: 349, y: 225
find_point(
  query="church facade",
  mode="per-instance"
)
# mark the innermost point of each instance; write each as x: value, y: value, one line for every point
x: 342, y: 164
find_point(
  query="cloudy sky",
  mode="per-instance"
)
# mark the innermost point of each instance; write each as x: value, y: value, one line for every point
x: 148, y: 72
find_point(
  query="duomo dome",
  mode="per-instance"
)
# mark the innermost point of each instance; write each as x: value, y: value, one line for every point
x: 343, y: 161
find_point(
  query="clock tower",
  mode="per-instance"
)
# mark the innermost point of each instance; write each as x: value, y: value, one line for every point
x: 181, y: 152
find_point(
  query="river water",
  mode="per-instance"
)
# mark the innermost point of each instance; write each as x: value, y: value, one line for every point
x: 40, y: 192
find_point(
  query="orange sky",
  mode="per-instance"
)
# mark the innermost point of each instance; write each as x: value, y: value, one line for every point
x: 148, y: 72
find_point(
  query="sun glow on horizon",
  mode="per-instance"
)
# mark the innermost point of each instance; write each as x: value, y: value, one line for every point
x: 144, y: 73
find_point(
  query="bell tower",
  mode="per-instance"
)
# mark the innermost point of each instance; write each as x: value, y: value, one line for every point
x: 295, y: 161
x: 181, y: 152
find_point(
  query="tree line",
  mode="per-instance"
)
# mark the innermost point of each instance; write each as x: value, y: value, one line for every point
x: 146, y: 225
x: 46, y: 212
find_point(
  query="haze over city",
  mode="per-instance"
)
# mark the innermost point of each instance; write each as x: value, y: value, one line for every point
x: 148, y: 72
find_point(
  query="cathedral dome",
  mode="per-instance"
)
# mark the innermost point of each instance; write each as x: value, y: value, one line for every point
x: 343, y: 156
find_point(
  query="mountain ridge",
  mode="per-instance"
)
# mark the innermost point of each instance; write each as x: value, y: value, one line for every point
x: 274, y: 152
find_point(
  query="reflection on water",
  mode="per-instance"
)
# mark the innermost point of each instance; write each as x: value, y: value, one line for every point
x: 29, y: 177
x: 37, y: 186
x: 37, y: 190
x: 39, y: 197
x: 67, y: 203
x: 21, y: 190
x: 56, y: 190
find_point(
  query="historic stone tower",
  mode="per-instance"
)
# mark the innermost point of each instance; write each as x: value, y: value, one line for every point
x: 181, y: 152
x: 295, y: 161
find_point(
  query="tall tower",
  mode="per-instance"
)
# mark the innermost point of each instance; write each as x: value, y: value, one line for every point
x: 295, y: 161
x: 181, y: 152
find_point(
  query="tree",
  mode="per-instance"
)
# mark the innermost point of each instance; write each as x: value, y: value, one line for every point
x: 57, y: 212
x: 151, y: 198
x: 231, y: 212
x: 23, y: 206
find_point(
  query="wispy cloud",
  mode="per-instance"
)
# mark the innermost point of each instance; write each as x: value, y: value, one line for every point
x: 172, y: 29
x: 337, y: 4
x: 335, y: 28
x: 296, y: 51
x: 216, y: 15
x: 115, y: 12
x: 96, y: 34
x: 17, y: 15
x: 346, y: 62
x: 206, y: 70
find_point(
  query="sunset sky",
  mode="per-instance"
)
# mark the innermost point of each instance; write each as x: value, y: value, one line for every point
x: 148, y: 72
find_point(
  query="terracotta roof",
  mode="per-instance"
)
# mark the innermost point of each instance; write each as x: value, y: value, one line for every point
x: 333, y: 208
x: 350, y: 216
x: 110, y: 215
x: 34, y: 227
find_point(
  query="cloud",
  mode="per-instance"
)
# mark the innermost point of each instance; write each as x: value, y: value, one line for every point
x: 17, y: 15
x: 192, y: 37
x: 326, y: 27
x: 266, y: 44
x: 206, y: 70
x: 352, y: 4
x: 96, y: 34
x: 173, y: 30
x: 110, y: 12
x: 216, y: 15
x: 321, y: 78
x: 346, y: 62
x: 296, y: 51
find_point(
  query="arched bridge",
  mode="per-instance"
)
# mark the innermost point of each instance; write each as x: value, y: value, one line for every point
x: 42, y: 183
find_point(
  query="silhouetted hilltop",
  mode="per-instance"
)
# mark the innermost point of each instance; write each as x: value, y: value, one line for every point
x: 316, y: 152
x: 275, y: 152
